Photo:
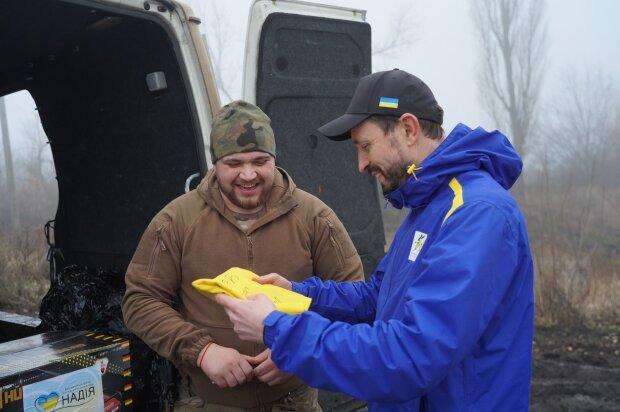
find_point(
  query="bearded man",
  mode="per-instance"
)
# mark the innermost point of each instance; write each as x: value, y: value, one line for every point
x: 445, y: 322
x: 246, y: 213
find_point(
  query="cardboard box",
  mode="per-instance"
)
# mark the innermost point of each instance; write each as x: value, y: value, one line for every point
x: 66, y: 371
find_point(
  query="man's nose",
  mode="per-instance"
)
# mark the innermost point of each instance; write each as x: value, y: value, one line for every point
x: 362, y: 163
x: 248, y: 172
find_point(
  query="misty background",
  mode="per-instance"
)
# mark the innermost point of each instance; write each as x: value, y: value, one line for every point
x: 439, y: 45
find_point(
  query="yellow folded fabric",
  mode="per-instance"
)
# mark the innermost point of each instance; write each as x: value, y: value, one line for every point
x: 239, y: 283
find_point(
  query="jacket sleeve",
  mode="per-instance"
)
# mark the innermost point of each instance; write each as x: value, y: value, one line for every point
x: 352, y: 302
x: 464, y: 276
x: 333, y: 252
x: 152, y: 282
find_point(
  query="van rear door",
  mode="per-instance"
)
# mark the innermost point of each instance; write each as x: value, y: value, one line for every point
x: 303, y: 62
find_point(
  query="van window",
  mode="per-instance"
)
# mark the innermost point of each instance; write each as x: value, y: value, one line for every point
x: 29, y: 197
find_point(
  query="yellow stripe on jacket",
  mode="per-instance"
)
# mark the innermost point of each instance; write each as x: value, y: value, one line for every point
x: 458, y: 198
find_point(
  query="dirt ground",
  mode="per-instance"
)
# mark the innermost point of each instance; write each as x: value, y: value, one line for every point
x: 576, y: 369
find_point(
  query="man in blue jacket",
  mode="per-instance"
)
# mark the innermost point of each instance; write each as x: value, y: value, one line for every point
x: 445, y: 322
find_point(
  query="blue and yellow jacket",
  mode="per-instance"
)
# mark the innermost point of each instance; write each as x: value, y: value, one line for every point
x: 445, y: 322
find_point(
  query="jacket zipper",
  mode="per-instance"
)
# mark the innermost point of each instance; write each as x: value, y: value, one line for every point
x: 250, y: 253
x: 159, y: 246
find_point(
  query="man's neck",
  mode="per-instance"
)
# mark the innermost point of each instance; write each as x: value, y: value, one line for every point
x: 425, y: 147
x: 237, y: 209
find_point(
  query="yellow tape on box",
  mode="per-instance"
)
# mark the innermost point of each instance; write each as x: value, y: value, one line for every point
x: 239, y: 283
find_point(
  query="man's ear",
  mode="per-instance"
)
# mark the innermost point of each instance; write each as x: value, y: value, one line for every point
x: 412, y: 128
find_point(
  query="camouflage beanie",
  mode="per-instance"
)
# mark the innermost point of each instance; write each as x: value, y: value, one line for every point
x: 241, y: 127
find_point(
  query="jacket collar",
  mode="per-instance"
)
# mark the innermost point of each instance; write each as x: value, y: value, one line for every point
x: 462, y: 151
x: 279, y: 202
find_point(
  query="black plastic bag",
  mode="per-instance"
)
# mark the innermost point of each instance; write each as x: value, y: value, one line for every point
x: 81, y: 299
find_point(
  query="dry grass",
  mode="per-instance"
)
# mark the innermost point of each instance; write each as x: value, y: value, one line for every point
x: 574, y: 236
x: 568, y: 295
x: 23, y: 272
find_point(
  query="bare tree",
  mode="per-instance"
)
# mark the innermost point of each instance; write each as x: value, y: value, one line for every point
x: 575, y: 221
x: 37, y: 195
x: 582, y: 123
x: 512, y: 40
x: 8, y: 165
x: 581, y: 133
x: 401, y: 35
x: 37, y: 161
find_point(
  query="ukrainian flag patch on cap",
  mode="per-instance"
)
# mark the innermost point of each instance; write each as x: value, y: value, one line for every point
x: 390, y: 102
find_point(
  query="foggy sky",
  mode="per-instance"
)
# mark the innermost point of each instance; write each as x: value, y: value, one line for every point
x: 581, y: 34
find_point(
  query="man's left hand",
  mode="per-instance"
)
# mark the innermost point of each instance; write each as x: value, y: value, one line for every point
x: 247, y: 316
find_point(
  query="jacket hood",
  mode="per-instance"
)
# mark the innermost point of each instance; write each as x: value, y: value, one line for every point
x: 463, y: 150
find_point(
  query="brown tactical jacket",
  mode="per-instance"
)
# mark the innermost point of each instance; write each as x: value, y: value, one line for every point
x: 196, y: 236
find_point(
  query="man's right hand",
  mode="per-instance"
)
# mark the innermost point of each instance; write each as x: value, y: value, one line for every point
x: 226, y: 367
x: 274, y: 279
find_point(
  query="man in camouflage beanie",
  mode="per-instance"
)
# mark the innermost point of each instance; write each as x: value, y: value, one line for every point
x: 247, y: 213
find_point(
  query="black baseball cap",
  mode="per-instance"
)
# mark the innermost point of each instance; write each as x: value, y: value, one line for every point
x: 388, y: 93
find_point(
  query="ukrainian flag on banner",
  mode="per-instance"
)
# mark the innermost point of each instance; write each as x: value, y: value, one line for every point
x: 390, y: 102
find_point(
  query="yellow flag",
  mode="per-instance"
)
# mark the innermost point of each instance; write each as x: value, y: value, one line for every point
x: 239, y: 283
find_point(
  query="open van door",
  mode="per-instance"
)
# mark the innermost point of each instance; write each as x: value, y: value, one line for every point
x: 303, y: 62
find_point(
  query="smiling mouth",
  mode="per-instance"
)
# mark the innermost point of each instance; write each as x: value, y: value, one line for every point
x: 248, y: 188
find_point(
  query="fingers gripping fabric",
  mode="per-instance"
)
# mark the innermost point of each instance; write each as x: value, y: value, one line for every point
x: 239, y: 283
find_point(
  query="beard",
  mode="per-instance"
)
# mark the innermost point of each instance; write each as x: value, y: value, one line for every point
x: 394, y: 177
x: 246, y: 202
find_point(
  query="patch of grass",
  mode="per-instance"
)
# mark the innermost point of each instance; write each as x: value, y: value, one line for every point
x: 24, y: 273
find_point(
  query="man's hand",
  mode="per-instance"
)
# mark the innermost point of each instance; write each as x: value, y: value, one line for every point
x: 267, y: 371
x: 226, y: 367
x: 274, y: 279
x: 247, y: 316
